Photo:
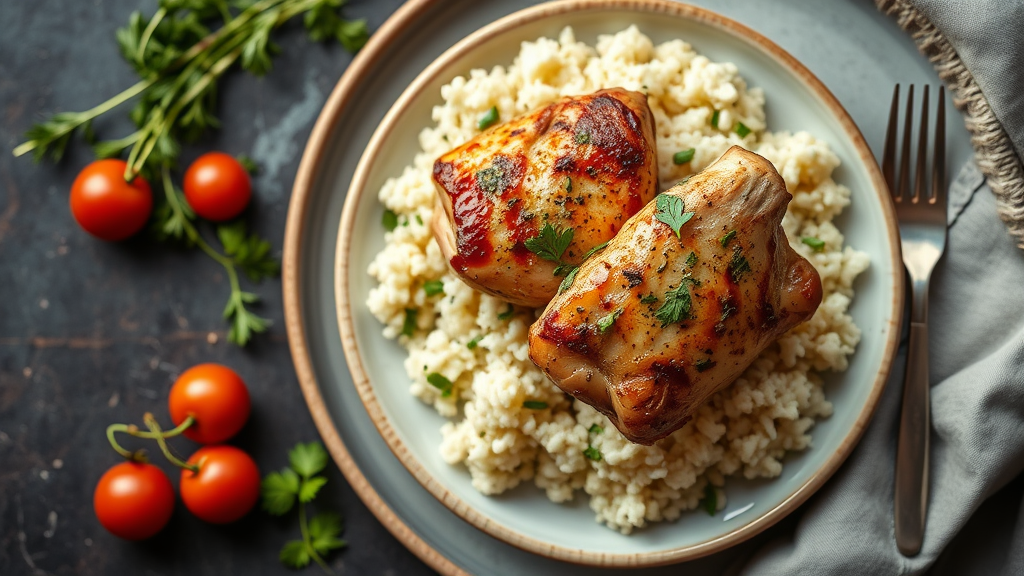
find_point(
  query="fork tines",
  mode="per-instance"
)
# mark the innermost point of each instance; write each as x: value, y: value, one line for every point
x: 899, y: 185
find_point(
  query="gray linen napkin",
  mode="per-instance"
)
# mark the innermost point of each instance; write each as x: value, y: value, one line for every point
x: 977, y: 369
x: 977, y: 352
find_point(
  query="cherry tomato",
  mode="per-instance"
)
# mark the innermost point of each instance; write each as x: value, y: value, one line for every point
x: 106, y: 206
x: 217, y: 186
x: 218, y: 399
x: 226, y: 486
x: 134, y: 500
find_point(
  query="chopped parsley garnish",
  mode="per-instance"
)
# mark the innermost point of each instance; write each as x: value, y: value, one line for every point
x: 490, y: 118
x: 568, y: 280
x: 704, y: 364
x: 419, y: 220
x: 409, y: 326
x: 728, y: 307
x: 649, y: 299
x: 433, y: 287
x: 535, y: 405
x: 592, y: 453
x: 710, y: 501
x: 491, y: 180
x: 472, y: 344
x: 714, y: 119
x: 742, y: 129
x: 815, y: 244
x: 605, y: 323
x: 739, y: 265
x: 683, y: 156
x: 389, y: 220
x: 724, y: 240
x: 677, y: 305
x: 583, y: 137
x: 441, y: 383
x: 596, y: 429
x: 670, y: 210
x: 507, y: 314
x: 568, y: 184
x: 551, y: 243
x: 691, y: 260
x: 570, y: 274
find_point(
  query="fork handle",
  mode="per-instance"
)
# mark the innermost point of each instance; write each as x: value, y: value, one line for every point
x: 911, y: 497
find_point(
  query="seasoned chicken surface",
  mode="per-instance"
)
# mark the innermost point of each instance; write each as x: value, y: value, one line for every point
x: 656, y: 323
x: 584, y: 163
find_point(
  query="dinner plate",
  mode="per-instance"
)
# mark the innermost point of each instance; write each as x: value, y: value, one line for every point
x: 873, y: 55
x: 524, y: 517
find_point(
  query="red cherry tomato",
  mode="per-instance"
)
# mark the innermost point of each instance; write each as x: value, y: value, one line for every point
x: 226, y: 486
x: 218, y: 399
x: 106, y: 206
x: 134, y: 500
x: 217, y: 186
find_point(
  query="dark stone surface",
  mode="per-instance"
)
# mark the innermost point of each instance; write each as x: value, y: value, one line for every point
x: 93, y: 333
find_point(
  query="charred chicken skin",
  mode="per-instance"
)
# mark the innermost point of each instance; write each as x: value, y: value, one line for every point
x: 584, y: 164
x: 658, y: 321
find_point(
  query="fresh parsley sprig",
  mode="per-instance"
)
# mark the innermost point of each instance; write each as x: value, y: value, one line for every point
x: 175, y: 220
x: 301, y: 481
x: 180, y: 60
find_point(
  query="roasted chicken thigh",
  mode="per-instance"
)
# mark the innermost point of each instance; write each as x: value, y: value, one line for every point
x: 674, y: 310
x: 584, y: 164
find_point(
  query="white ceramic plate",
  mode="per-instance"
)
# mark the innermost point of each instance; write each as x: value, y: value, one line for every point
x: 524, y: 517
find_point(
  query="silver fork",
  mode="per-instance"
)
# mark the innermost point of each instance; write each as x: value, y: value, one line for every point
x: 922, y: 222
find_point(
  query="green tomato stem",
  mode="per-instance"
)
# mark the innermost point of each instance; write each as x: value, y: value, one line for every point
x: 158, y: 435
x: 133, y: 430
x: 136, y: 456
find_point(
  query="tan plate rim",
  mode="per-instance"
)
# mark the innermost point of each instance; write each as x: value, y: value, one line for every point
x: 298, y: 206
x: 301, y: 192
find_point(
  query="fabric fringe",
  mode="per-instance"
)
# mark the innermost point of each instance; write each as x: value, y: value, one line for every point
x: 994, y: 152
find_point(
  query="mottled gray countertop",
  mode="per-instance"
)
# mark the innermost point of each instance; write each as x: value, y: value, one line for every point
x: 93, y: 333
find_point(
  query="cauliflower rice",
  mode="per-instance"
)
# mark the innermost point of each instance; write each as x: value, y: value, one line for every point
x: 479, y: 343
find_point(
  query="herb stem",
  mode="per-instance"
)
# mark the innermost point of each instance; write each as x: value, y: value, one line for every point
x: 303, y: 528
x: 147, y: 34
x: 158, y: 435
x: 222, y: 7
x: 87, y: 115
x: 161, y: 124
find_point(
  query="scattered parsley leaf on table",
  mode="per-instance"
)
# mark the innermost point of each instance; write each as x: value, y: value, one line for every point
x: 300, y: 481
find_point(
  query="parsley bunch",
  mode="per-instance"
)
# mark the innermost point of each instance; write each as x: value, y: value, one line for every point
x: 301, y: 481
x: 180, y: 53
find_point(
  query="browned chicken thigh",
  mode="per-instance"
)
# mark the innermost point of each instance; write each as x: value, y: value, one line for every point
x: 584, y: 164
x: 660, y: 320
